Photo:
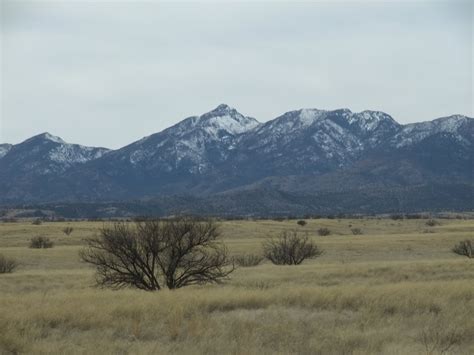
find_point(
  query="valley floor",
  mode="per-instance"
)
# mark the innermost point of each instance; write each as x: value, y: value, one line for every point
x: 395, y: 289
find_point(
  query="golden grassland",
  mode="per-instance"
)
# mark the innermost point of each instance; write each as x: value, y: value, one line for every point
x: 396, y: 289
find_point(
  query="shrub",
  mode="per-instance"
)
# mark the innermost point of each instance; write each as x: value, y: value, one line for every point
x: 464, y: 248
x: 40, y: 242
x: 290, y: 249
x: 439, y: 338
x: 247, y: 260
x: 432, y: 223
x: 37, y: 222
x: 324, y: 231
x: 154, y: 254
x: 301, y: 223
x: 68, y: 230
x: 7, y: 265
x: 356, y: 231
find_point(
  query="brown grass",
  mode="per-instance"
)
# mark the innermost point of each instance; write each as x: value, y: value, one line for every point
x: 392, y: 290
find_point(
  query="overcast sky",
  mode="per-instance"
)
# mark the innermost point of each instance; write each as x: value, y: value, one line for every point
x: 109, y: 73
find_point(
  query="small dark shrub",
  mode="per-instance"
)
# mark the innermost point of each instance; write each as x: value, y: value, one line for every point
x: 7, y: 265
x: 396, y: 217
x: 40, y: 242
x: 301, y: 223
x: 37, y: 222
x: 68, y: 230
x: 290, y: 249
x: 247, y: 260
x: 465, y: 248
x: 414, y: 216
x: 356, y: 231
x: 432, y: 223
x: 324, y: 231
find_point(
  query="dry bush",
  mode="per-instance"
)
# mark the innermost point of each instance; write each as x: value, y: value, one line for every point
x: 290, y: 249
x: 301, y: 223
x: 324, y: 231
x: 247, y: 260
x: 154, y: 254
x: 68, y: 230
x: 41, y: 242
x: 437, y: 338
x: 464, y: 248
x: 432, y: 223
x: 7, y: 265
x: 37, y: 222
x: 357, y: 231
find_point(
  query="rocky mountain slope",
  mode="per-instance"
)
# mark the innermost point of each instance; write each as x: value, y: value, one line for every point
x: 28, y: 170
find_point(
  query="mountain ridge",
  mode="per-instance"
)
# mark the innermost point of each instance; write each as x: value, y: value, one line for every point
x: 225, y: 152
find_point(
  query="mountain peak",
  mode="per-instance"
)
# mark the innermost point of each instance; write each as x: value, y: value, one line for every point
x: 222, y: 110
x: 46, y: 136
x: 226, y: 118
x: 223, y: 107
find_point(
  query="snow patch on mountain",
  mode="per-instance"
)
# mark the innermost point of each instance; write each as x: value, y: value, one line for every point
x: 4, y: 149
x: 308, y: 116
x: 233, y: 124
x: 416, y: 132
x: 52, y: 138
x: 74, y: 153
x: 45, y: 138
x: 370, y: 120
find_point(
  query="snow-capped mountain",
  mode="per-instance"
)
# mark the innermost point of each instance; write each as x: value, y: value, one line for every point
x: 460, y: 128
x: 27, y: 167
x: 169, y: 161
x: 194, y: 144
x: 45, y: 154
x: 311, y: 140
x: 225, y: 155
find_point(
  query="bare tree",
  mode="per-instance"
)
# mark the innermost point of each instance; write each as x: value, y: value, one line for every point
x: 153, y: 254
x: 290, y: 249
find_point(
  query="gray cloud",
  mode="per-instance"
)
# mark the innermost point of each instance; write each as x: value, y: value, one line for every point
x: 108, y: 73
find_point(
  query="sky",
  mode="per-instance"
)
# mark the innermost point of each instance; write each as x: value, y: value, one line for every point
x: 106, y: 73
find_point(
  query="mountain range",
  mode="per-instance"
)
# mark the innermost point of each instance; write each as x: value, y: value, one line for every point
x: 222, y: 162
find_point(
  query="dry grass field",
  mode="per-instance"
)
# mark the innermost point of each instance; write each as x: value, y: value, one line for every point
x: 395, y: 289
